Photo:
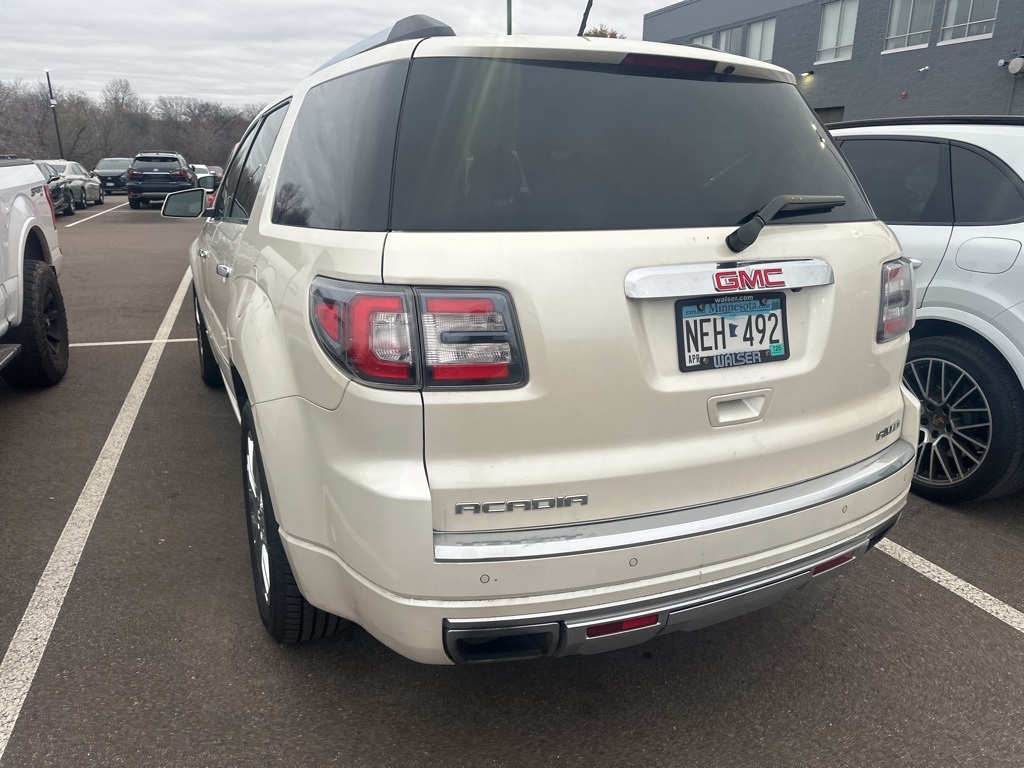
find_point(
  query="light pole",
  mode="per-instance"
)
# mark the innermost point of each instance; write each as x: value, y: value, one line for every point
x: 509, y: 17
x: 53, y: 106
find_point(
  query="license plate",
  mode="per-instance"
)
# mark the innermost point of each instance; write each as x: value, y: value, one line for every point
x: 730, y: 331
x: 110, y: 183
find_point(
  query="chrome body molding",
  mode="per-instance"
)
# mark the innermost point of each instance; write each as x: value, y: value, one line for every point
x: 671, y: 524
x: 683, y: 280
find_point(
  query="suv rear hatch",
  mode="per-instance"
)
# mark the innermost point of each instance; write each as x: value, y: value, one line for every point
x: 599, y: 195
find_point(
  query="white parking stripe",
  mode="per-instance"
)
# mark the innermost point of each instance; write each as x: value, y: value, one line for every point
x: 991, y: 605
x: 90, y: 218
x: 119, y: 343
x: 21, y: 661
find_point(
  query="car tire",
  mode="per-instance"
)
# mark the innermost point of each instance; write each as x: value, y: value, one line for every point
x: 43, y: 333
x: 69, y: 208
x: 99, y: 197
x: 972, y: 420
x: 82, y: 201
x: 208, y: 369
x: 133, y: 204
x: 286, y: 614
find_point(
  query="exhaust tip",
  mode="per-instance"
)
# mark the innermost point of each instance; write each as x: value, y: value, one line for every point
x: 481, y: 646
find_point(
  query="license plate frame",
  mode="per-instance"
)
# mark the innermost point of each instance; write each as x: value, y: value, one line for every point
x: 736, y: 312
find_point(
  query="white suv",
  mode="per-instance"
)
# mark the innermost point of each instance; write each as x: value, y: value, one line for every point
x: 545, y: 346
x: 951, y: 188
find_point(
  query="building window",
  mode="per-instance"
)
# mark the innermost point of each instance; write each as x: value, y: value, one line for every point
x: 761, y: 39
x: 838, y: 20
x: 910, y: 23
x: 731, y: 40
x: 969, y: 18
x: 708, y: 40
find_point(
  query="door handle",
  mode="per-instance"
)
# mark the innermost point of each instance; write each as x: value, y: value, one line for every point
x: 203, y: 253
x: 223, y: 270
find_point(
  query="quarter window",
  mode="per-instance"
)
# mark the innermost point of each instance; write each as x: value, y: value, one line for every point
x: 761, y: 39
x: 838, y: 22
x: 906, y: 181
x: 969, y: 18
x: 731, y: 40
x: 983, y: 193
x: 910, y: 23
x: 336, y: 171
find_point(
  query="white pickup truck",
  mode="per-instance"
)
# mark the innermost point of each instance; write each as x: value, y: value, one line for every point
x: 33, y: 324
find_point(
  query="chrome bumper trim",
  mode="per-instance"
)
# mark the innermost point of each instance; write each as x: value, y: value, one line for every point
x: 671, y: 524
x: 682, y: 280
x: 688, y: 610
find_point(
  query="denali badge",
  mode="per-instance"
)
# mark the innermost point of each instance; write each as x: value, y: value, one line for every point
x: 742, y: 279
x: 520, y: 505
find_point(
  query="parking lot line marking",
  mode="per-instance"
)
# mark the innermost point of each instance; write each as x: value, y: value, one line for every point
x: 20, y: 663
x: 119, y: 343
x: 991, y: 605
x: 82, y: 221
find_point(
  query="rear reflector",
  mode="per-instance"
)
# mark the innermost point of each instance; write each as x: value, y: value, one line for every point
x: 835, y: 562
x: 600, y: 630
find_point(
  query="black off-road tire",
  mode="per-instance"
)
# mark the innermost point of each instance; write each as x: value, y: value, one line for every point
x: 972, y: 425
x: 208, y: 369
x: 286, y: 614
x: 42, y: 334
x: 133, y: 204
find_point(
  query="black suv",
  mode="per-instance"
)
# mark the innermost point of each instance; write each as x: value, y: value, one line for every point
x: 113, y: 173
x: 154, y: 175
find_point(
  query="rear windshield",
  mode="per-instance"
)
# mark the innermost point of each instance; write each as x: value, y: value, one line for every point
x: 504, y: 145
x: 113, y: 164
x: 156, y: 161
x: 59, y: 167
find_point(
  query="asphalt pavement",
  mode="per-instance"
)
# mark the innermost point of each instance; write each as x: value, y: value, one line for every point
x: 157, y: 656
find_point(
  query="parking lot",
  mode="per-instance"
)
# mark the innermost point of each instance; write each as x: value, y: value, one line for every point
x: 157, y: 656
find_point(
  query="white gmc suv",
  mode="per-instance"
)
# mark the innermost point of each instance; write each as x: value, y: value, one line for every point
x: 545, y: 346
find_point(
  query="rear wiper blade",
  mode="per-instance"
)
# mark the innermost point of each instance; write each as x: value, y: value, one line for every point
x: 745, y: 235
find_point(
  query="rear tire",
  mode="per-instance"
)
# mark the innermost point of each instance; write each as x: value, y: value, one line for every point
x: 972, y: 420
x: 208, y: 369
x: 133, y: 204
x: 99, y: 197
x: 285, y: 613
x: 82, y: 201
x: 43, y: 333
x: 69, y: 207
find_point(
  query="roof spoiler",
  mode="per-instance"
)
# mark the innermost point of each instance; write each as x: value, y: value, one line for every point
x: 409, y: 28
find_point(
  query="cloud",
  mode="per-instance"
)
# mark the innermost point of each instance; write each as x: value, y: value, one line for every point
x: 244, y: 51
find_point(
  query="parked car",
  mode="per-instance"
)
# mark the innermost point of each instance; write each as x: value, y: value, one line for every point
x: 586, y: 356
x: 33, y: 321
x: 951, y: 189
x: 155, y: 174
x: 199, y: 170
x: 85, y: 188
x: 60, y: 189
x: 217, y: 171
x: 112, y: 173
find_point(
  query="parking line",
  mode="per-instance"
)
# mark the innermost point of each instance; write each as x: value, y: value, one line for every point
x: 20, y: 663
x: 991, y: 605
x: 82, y: 221
x: 120, y: 343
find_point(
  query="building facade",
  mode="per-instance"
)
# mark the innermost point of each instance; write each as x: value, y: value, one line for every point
x: 870, y: 58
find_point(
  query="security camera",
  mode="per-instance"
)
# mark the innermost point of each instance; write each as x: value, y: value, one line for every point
x: 1016, y: 66
x: 1001, y: 63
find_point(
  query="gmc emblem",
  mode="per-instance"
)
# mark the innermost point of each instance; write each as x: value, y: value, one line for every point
x: 742, y: 279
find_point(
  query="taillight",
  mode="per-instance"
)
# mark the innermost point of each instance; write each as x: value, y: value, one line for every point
x: 180, y: 173
x: 49, y: 201
x: 896, y: 303
x: 133, y: 174
x: 415, y: 338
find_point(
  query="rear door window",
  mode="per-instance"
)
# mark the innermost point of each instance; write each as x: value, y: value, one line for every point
x: 985, y: 191
x: 256, y: 164
x: 906, y: 180
x: 504, y: 145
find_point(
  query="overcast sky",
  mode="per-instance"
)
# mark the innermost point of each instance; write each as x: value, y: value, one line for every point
x: 244, y: 51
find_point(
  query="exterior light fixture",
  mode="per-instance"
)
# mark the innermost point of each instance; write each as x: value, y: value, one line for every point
x: 807, y: 73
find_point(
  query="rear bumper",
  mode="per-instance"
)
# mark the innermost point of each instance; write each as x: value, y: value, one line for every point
x: 153, y: 191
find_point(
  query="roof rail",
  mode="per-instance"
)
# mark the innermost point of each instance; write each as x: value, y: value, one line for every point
x: 409, y: 28
x: 935, y: 120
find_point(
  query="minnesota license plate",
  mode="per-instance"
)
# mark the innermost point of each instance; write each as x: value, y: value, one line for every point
x: 110, y: 183
x: 733, y: 330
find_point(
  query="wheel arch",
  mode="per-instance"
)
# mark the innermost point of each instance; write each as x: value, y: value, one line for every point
x: 983, y: 334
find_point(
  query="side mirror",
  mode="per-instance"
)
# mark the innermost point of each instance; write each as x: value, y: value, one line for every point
x: 187, y: 204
